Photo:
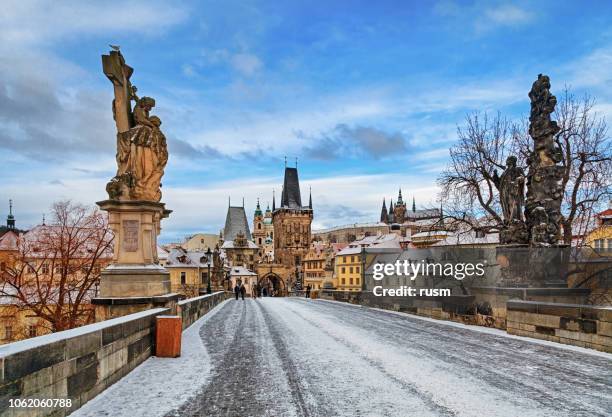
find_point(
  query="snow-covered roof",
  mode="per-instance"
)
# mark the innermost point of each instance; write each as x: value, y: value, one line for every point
x: 469, y: 238
x: 8, y: 241
x: 162, y: 253
x: 86, y: 241
x: 349, y: 251
x: 240, y: 271
x: 229, y: 244
x: 431, y: 234
x: 180, y: 258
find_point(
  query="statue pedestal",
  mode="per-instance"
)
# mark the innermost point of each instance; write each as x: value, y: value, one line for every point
x: 535, y: 267
x: 134, y: 281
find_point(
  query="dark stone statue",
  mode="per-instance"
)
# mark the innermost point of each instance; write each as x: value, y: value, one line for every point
x: 544, y: 186
x: 511, y: 186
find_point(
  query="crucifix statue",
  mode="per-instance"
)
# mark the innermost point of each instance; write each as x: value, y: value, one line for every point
x: 142, y: 153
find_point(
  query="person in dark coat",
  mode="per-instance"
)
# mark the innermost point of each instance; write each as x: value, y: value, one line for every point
x: 237, y: 290
x: 242, y: 291
x: 308, y: 291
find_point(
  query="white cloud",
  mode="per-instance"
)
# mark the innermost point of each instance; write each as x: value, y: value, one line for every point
x: 39, y: 21
x: 246, y: 64
x: 508, y: 15
x: 485, y: 16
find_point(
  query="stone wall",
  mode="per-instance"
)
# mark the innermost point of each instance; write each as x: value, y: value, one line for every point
x: 82, y: 362
x: 454, y: 308
x: 572, y: 324
x: 498, y: 297
x: 76, y: 364
x: 192, y: 309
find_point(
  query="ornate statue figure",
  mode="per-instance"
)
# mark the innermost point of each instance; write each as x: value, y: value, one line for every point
x: 142, y: 152
x: 511, y: 187
x: 544, y: 187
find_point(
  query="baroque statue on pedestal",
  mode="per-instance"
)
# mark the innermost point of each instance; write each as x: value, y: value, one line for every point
x: 142, y: 152
x: 544, y: 185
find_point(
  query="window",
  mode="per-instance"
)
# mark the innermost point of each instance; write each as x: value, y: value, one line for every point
x: 351, y: 270
x: 351, y: 281
x: 204, y: 281
x: 32, y: 331
x: 45, y: 268
x: 8, y: 333
x: 343, y: 270
x: 352, y: 259
x: 343, y: 281
x: 259, y: 240
x: 357, y: 269
x: 357, y: 281
x: 259, y: 225
x: 183, y: 277
x: 2, y: 266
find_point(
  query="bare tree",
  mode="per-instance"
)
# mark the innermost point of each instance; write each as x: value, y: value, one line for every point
x: 467, y: 187
x: 57, y: 267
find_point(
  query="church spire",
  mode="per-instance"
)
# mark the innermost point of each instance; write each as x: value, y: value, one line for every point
x: 391, y: 217
x: 10, y: 219
x: 273, y: 201
x: 413, y: 205
x: 309, y: 195
x: 384, y: 216
x: 399, y: 197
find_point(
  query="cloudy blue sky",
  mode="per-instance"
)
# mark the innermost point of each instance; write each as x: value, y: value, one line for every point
x: 366, y: 94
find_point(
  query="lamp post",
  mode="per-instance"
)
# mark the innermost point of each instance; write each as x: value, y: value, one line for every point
x: 208, y: 261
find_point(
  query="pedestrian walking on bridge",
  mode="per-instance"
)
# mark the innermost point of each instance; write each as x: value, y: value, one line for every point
x: 242, y: 291
x: 236, y: 291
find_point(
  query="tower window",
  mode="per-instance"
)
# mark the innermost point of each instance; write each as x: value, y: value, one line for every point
x: 183, y: 277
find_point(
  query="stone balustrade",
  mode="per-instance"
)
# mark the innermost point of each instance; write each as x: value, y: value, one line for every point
x: 572, y: 324
x: 80, y: 363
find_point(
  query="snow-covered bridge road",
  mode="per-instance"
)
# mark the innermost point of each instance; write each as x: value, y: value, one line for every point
x: 296, y: 357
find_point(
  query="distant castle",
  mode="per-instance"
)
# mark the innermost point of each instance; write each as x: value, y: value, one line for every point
x: 399, y: 214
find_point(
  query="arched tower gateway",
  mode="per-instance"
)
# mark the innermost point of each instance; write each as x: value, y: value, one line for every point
x: 292, y: 228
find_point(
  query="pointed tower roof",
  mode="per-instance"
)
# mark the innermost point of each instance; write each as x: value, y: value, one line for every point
x: 291, y: 197
x: 258, y: 211
x: 309, y: 197
x: 399, y: 197
x: 391, y: 217
x: 236, y: 222
x: 384, y: 216
x: 413, y: 205
x: 10, y: 219
x: 273, y: 201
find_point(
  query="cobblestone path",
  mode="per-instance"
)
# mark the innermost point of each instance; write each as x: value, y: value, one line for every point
x: 295, y: 357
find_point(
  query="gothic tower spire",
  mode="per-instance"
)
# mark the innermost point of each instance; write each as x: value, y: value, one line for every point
x: 413, y: 205
x: 310, y: 198
x: 384, y: 216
